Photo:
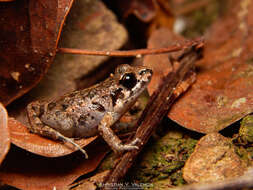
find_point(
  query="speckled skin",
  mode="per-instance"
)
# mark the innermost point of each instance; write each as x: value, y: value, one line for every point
x: 91, y: 111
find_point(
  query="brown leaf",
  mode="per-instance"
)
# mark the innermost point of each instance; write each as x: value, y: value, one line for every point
x: 62, y: 76
x: 32, y: 172
x: 223, y: 91
x: 161, y: 64
x: 143, y: 10
x: 36, y: 144
x: 91, y: 183
x: 4, y: 133
x: 29, y: 32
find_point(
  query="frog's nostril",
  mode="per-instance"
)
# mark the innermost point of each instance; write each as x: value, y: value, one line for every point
x: 150, y: 76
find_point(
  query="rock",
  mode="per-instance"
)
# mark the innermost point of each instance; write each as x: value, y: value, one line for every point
x: 213, y: 159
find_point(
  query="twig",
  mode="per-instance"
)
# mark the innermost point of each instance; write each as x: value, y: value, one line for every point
x: 245, y: 181
x: 158, y: 107
x: 130, y: 53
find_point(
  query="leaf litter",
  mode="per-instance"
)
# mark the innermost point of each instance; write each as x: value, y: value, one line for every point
x: 222, y: 92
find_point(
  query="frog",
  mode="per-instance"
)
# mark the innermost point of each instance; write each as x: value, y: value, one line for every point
x: 92, y: 111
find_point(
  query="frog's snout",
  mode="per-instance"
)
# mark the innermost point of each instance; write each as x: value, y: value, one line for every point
x: 146, y: 74
x: 149, y: 73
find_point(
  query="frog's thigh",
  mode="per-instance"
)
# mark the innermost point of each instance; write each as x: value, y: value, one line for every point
x: 33, y: 112
x: 36, y: 126
x: 109, y: 136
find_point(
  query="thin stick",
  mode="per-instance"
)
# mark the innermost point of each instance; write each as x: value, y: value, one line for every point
x: 136, y: 53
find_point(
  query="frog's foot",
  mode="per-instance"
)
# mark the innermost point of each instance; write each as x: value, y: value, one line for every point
x: 124, y: 147
x: 53, y: 134
x: 129, y: 146
x: 69, y: 140
x: 135, y: 141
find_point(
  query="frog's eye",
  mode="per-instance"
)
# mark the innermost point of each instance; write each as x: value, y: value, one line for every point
x: 128, y: 80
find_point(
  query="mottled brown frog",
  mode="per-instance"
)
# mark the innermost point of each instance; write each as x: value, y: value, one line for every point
x: 91, y: 111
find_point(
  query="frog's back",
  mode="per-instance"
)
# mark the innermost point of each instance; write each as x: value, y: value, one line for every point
x: 78, y: 114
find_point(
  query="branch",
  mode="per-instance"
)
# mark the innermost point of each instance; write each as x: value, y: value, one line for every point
x: 136, y: 53
x: 158, y: 107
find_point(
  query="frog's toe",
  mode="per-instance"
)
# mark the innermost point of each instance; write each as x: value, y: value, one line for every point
x: 130, y: 147
x: 135, y: 141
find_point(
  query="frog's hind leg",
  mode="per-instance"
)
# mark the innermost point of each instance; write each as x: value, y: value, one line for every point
x: 34, y: 110
x: 61, y: 137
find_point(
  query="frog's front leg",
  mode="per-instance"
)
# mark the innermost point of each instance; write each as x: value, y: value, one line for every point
x: 34, y: 110
x: 110, y: 137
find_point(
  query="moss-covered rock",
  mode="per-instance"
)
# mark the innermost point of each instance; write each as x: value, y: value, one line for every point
x: 161, y: 163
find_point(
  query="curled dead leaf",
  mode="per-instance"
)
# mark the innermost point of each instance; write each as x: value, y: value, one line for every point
x: 29, y: 33
x: 4, y: 133
x: 33, y: 172
x: 223, y: 92
x: 77, y: 33
x: 21, y: 137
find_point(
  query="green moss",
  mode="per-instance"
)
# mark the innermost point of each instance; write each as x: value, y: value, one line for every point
x: 243, y: 154
x: 177, y: 178
x: 244, y: 140
x: 163, y: 161
x: 246, y: 129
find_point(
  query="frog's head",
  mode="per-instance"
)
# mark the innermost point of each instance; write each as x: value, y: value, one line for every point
x: 133, y: 78
x: 132, y: 81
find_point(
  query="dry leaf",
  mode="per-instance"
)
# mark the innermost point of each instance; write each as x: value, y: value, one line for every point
x: 223, y: 91
x: 4, y: 133
x: 143, y: 10
x: 32, y: 172
x: 84, y: 29
x: 161, y: 64
x: 29, y: 33
x: 36, y: 144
